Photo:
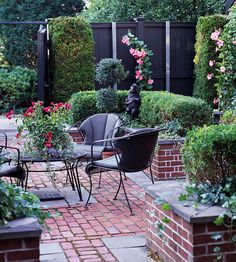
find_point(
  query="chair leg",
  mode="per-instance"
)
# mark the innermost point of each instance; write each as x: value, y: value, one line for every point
x: 90, y: 190
x: 118, y: 190
x: 126, y: 196
x: 99, y: 182
x: 125, y: 176
x: 151, y: 175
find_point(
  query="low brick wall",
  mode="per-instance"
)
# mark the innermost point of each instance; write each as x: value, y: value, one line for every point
x: 19, y: 241
x: 189, y: 234
x: 76, y: 137
x: 167, y: 162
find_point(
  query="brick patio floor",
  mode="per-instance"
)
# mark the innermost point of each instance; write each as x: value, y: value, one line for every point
x: 79, y: 230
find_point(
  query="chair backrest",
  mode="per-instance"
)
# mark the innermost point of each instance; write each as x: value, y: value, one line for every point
x: 100, y: 126
x: 136, y: 150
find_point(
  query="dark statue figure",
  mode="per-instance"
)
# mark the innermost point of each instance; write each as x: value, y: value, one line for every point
x: 133, y: 101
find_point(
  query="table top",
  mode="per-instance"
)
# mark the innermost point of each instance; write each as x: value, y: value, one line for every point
x: 76, y: 156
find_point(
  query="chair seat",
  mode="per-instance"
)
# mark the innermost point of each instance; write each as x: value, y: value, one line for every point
x: 97, y: 150
x: 12, y: 171
x: 97, y: 166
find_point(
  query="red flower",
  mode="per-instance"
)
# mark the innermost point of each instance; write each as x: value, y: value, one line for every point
x: 40, y: 103
x: 18, y: 135
x: 47, y: 109
x: 33, y: 103
x: 29, y: 112
x: 9, y: 114
x: 67, y: 106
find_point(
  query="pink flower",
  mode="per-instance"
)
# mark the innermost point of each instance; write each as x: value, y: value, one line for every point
x: 140, y: 61
x: 138, y: 74
x: 211, y: 63
x: 220, y: 43
x: 33, y: 103
x: 125, y: 40
x: 47, y: 109
x: 234, y: 42
x: 67, y: 106
x: 131, y: 51
x: 215, y: 35
x: 29, y: 112
x: 209, y: 76
x: 216, y: 101
x: 222, y: 69
x: 9, y: 114
x: 150, y: 81
x: 217, y: 49
x: 141, y: 78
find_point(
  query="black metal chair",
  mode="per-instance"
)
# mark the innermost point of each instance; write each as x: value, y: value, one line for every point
x: 134, y: 153
x: 97, y: 127
x: 10, y: 168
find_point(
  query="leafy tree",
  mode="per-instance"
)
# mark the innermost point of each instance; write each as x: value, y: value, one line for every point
x: 175, y: 10
x: 19, y: 41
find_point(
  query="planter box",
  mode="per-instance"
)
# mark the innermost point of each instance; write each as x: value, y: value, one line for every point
x: 167, y: 162
x: 19, y: 240
x: 189, y: 234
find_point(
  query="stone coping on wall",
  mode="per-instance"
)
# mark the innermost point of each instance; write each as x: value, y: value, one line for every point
x: 171, y: 141
x: 21, y: 228
x: 170, y: 190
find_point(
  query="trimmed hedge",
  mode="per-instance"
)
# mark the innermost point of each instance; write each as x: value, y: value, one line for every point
x: 72, y: 61
x: 209, y: 154
x: 205, y: 51
x: 162, y: 107
x: 157, y: 108
x: 17, y: 87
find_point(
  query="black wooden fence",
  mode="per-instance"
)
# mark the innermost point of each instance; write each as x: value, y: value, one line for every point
x: 171, y: 42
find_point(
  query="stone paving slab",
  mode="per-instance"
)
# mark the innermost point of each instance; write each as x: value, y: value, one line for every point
x: 128, y: 248
x: 52, y: 252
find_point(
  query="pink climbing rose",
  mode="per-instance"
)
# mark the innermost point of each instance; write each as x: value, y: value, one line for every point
x: 209, y: 76
x: 222, y: 69
x: 125, y: 40
x: 211, y: 63
x: 150, y: 81
x: 215, y: 35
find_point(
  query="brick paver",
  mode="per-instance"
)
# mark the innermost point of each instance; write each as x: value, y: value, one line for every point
x: 79, y: 229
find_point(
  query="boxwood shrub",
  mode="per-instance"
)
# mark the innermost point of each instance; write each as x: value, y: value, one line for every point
x: 71, y: 59
x: 209, y: 153
x: 17, y: 87
x: 161, y: 107
x: 205, y: 51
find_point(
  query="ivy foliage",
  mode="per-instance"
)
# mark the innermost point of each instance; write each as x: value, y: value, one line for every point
x: 151, y: 10
x: 209, y: 154
x: 16, y: 203
x: 227, y: 80
x: 205, y: 51
x: 17, y: 87
x: 72, y: 61
x: 20, y: 41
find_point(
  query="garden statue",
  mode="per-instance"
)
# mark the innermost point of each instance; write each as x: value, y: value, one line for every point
x: 133, y: 101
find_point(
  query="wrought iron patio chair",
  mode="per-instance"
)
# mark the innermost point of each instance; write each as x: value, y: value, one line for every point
x: 97, y: 127
x: 10, y: 168
x: 134, y: 153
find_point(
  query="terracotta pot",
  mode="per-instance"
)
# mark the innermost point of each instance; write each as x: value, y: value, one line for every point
x: 107, y: 154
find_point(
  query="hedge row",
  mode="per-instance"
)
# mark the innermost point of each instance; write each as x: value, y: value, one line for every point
x: 17, y: 87
x: 157, y: 108
x: 71, y: 59
x: 205, y: 51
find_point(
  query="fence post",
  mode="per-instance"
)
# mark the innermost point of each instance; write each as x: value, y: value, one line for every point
x: 43, y: 92
x: 168, y: 56
x: 114, y: 45
x: 140, y: 34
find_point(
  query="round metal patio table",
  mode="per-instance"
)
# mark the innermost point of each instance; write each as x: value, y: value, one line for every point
x: 71, y: 165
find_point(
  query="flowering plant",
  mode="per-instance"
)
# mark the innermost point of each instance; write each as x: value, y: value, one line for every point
x: 44, y: 128
x: 142, y: 55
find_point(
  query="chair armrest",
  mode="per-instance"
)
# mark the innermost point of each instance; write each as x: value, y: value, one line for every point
x: 77, y: 125
x: 5, y: 135
x: 14, y: 148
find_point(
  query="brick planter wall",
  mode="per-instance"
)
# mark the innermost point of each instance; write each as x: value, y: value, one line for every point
x: 167, y: 162
x: 188, y: 235
x: 75, y: 136
x: 19, y: 241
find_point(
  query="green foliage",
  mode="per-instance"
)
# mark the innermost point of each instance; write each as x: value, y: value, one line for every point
x: 110, y: 71
x: 20, y: 41
x: 83, y: 104
x: 16, y: 203
x: 17, y: 87
x: 227, y: 78
x: 209, y: 154
x: 161, y: 107
x: 151, y: 10
x: 205, y: 51
x: 72, y: 62
x: 229, y: 117
x: 141, y: 53
x: 106, y: 99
